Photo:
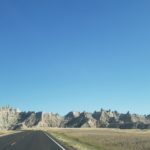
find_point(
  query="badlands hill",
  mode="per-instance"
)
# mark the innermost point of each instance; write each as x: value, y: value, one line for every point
x: 11, y: 118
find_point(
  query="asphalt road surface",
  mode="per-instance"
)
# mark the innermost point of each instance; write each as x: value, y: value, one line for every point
x: 29, y: 140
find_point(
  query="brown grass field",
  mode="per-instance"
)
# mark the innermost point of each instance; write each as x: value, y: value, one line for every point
x: 103, y: 139
x: 6, y: 132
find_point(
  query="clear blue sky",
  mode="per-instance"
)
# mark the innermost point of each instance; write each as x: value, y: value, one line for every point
x: 63, y: 55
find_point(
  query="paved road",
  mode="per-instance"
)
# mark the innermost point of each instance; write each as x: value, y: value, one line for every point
x: 29, y: 140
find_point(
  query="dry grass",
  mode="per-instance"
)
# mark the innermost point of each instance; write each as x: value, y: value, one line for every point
x: 5, y: 132
x: 104, y: 139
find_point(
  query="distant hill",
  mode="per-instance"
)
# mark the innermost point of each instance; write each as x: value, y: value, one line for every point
x: 11, y: 118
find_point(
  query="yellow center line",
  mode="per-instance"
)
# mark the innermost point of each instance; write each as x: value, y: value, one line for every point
x: 13, y: 143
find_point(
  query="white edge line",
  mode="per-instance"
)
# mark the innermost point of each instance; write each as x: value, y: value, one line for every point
x: 54, y: 141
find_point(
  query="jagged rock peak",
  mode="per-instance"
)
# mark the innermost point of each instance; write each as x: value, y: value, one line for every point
x: 8, y: 108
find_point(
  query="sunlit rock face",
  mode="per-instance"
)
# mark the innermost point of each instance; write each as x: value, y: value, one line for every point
x: 8, y: 117
x: 11, y: 118
x: 51, y: 120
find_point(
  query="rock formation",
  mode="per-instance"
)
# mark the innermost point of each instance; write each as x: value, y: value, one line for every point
x: 11, y: 118
x: 8, y: 117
